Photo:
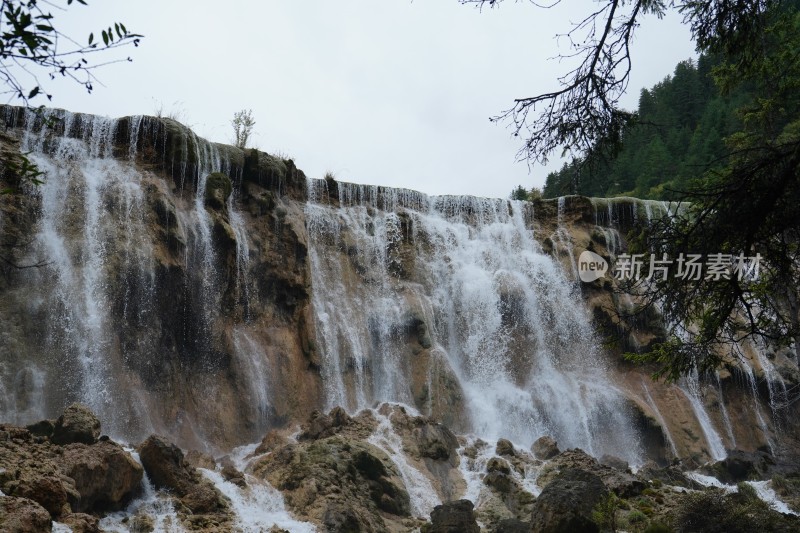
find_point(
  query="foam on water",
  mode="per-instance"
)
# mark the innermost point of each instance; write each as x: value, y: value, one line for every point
x: 258, y: 507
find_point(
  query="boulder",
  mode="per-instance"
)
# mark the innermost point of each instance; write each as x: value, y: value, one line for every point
x: 20, y: 515
x: 499, y: 481
x: 614, y: 462
x: 320, y: 425
x: 545, y: 448
x: 76, y: 424
x: 82, y: 523
x: 44, y: 488
x: 43, y: 428
x: 341, y: 517
x: 343, y: 482
x: 200, y: 460
x: 434, y: 441
x: 233, y: 475
x: 106, y: 476
x: 271, y: 442
x: 453, y: 517
x: 28, y: 470
x: 621, y: 483
x: 566, y: 503
x: 495, y: 464
x: 504, y: 447
x: 741, y: 466
x: 165, y: 465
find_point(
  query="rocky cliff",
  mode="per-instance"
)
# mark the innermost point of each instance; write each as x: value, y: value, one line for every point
x: 206, y: 293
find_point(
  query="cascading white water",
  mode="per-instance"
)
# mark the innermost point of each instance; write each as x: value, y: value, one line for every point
x: 78, y: 235
x: 690, y: 385
x: 503, y: 314
x: 97, y: 287
x: 156, y: 506
x: 258, y: 506
x: 421, y: 493
x: 256, y: 372
x: 726, y: 419
x: 660, y: 418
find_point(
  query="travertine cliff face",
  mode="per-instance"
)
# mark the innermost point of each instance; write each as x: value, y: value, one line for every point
x: 205, y: 293
x: 162, y: 320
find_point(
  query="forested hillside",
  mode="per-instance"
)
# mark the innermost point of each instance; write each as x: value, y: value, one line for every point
x: 682, y: 122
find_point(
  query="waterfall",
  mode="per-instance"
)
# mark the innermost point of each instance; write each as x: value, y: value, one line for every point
x: 423, y: 497
x: 690, y: 385
x: 79, y: 237
x: 660, y: 418
x: 468, y: 273
x: 101, y: 320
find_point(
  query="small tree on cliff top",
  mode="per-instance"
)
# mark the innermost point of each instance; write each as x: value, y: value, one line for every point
x: 242, y: 123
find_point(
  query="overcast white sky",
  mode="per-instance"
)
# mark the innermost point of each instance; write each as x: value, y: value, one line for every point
x: 388, y: 92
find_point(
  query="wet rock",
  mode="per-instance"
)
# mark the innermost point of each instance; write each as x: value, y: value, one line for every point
x: 232, y: 474
x: 545, y: 448
x: 337, y: 480
x: 434, y: 441
x: 165, y: 465
x: 614, y: 462
x: 741, y: 466
x: 200, y: 460
x: 670, y: 475
x: 142, y: 523
x: 106, y: 477
x: 499, y: 481
x: 495, y: 464
x: 342, y: 518
x: 43, y: 428
x: 76, y: 424
x: 504, y: 447
x: 320, y: 425
x: 82, y: 523
x: 621, y: 483
x: 271, y: 442
x: 566, y: 503
x: 203, y: 498
x: 20, y: 515
x: 218, y: 189
x: 453, y: 517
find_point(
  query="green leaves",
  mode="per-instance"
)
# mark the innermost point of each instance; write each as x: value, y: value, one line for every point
x: 18, y: 170
x: 29, y: 36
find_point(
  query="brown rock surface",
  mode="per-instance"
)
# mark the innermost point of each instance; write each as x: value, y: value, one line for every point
x: 20, y: 515
x: 76, y: 424
x: 338, y: 481
x: 545, y: 448
x: 621, y: 483
x: 453, y: 517
x: 165, y: 466
x: 106, y: 476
